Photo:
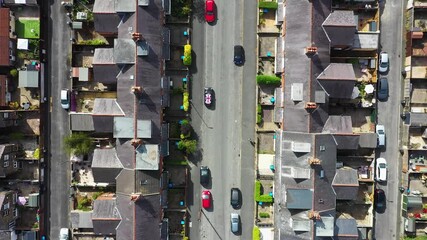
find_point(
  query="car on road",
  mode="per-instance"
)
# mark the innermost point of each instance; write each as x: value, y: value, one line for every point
x: 206, y: 199
x: 209, y: 11
x: 205, y: 175
x: 380, y: 130
x: 208, y: 96
x: 383, y: 63
x: 382, y: 92
x: 235, y: 223
x: 65, y: 98
x: 63, y: 234
x: 379, y: 200
x: 235, y: 198
x: 239, y: 55
x: 381, y: 170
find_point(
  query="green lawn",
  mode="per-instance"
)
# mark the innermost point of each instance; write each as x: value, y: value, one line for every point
x: 28, y: 28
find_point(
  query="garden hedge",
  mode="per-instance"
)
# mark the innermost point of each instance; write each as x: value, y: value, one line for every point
x: 264, y: 215
x: 187, y: 55
x: 185, y: 101
x: 261, y: 198
x: 256, y: 233
x: 268, y: 79
x: 269, y: 5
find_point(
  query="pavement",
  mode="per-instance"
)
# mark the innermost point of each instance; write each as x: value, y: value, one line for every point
x: 387, y: 224
x: 58, y: 163
x: 225, y: 129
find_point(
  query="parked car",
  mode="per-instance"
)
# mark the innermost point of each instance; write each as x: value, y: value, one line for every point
x: 63, y: 234
x: 205, y: 175
x: 235, y: 223
x: 209, y: 96
x: 209, y: 11
x: 380, y: 130
x: 381, y: 170
x: 383, y: 63
x: 382, y: 93
x: 379, y: 200
x: 65, y: 98
x: 239, y: 55
x: 235, y: 198
x: 206, y: 199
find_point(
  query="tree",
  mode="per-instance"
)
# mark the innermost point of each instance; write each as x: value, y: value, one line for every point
x: 78, y: 144
x: 14, y: 73
x: 189, y: 146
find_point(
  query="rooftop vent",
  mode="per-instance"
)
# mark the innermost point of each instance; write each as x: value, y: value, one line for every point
x: 310, y: 105
x: 310, y: 50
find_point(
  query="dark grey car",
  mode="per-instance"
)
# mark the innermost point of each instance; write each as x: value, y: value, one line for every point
x: 235, y: 198
x: 205, y: 175
x: 382, y: 91
x: 239, y: 55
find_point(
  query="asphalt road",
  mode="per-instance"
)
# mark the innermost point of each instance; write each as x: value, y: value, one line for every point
x: 225, y: 129
x: 59, y: 35
x: 387, y: 224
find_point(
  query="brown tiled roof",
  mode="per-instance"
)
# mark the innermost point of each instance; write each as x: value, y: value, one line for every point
x: 4, y: 36
x: 3, y: 90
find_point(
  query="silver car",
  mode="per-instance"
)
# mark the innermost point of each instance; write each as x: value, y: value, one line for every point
x: 235, y: 223
x: 380, y: 130
x: 383, y: 66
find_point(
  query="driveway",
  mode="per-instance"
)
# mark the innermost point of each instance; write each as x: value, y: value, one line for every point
x: 224, y: 130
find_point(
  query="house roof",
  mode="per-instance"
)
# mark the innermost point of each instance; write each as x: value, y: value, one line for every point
x: 346, y: 183
x: 105, y: 73
x: 126, y: 227
x: 299, y: 198
x: 346, y: 227
x: 147, y: 182
x: 147, y: 214
x: 124, y: 128
x: 325, y: 226
x: 368, y: 140
x: 105, y: 217
x: 106, y: 166
x: 125, y: 182
x: 147, y: 157
x: 338, y: 80
x: 125, y: 6
x: 107, y: 107
x: 81, y: 219
x: 103, y: 55
x: 106, y: 23
x: 87, y: 122
x: 124, y: 51
x: 347, y: 141
x: 4, y: 36
x: 418, y: 119
x: 340, y: 27
x: 338, y: 124
x: 104, y: 6
x: 28, y: 79
x: 366, y: 40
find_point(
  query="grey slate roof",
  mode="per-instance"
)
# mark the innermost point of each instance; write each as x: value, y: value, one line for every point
x: 340, y: 26
x: 418, y: 119
x: 346, y: 184
x: 338, y: 80
x: 325, y: 226
x: 124, y: 51
x: 125, y: 6
x: 338, y: 124
x: 347, y: 141
x: 346, y: 227
x: 368, y: 140
x: 103, y: 56
x: 125, y: 182
x: 87, y: 122
x: 147, y: 182
x: 105, y: 165
x: 147, y: 213
x: 81, y: 219
x: 104, y: 6
x: 299, y: 198
x: 126, y: 209
x: 107, y: 107
x: 106, y: 23
x: 105, y: 217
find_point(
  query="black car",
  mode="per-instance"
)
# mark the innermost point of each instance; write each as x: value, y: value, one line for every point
x: 205, y: 175
x: 235, y: 198
x: 208, y: 96
x: 239, y: 55
x: 382, y: 89
x: 379, y: 200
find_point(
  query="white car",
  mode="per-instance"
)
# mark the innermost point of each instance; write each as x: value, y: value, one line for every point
x: 65, y: 99
x: 380, y: 130
x: 235, y: 223
x: 383, y: 66
x: 63, y: 234
x: 381, y: 170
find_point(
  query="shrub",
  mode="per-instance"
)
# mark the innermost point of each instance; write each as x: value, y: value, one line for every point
x: 264, y: 215
x: 13, y: 73
x: 96, y: 195
x: 93, y: 42
x: 185, y: 129
x: 256, y: 233
x: 36, y: 154
x: 185, y: 101
x: 257, y: 194
x: 187, y: 55
x: 14, y: 105
x: 265, y: 198
x: 259, y: 109
x: 189, y: 146
x: 258, y: 118
x: 268, y: 79
x: 78, y: 144
x: 269, y: 5
x: 84, y: 203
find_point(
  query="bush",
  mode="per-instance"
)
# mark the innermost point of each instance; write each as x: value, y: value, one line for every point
x: 258, y: 118
x: 13, y: 73
x: 268, y: 80
x: 269, y: 5
x: 36, y: 154
x: 84, y: 204
x: 265, y: 198
x: 259, y: 109
x: 264, y: 215
x: 185, y: 129
x: 256, y: 233
x: 93, y: 42
x: 187, y: 55
x: 185, y: 101
x: 78, y: 144
x: 189, y: 146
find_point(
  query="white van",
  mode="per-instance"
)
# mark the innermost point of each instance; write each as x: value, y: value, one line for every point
x: 63, y: 234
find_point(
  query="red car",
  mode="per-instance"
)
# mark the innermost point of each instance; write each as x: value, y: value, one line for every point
x: 209, y: 11
x: 206, y: 199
